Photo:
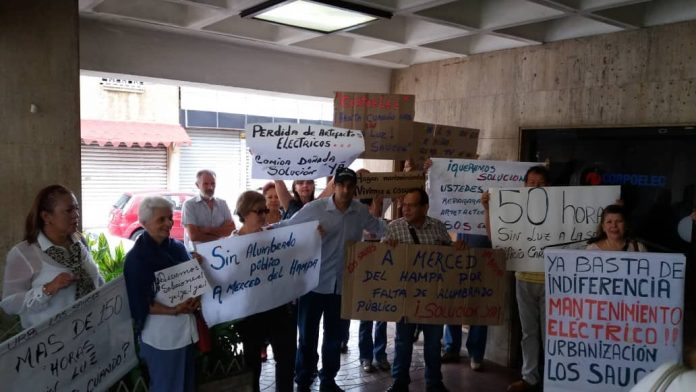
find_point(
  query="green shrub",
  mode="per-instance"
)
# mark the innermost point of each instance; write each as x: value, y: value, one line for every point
x: 110, y: 263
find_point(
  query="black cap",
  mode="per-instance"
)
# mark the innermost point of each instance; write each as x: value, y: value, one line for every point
x: 344, y: 174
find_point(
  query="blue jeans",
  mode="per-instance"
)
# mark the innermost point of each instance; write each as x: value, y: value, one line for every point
x: 310, y: 308
x: 368, y: 349
x: 404, y: 350
x: 475, y: 342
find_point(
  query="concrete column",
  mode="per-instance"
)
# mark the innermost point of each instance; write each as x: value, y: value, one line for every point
x: 39, y: 107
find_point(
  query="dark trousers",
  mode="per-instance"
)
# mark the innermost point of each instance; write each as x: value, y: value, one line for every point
x: 310, y: 309
x: 277, y: 326
x: 403, y: 351
x: 475, y: 341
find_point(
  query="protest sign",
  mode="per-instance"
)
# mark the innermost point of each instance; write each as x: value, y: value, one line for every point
x: 289, y: 151
x: 526, y: 220
x: 611, y: 317
x: 86, y: 347
x: 455, y: 187
x: 370, y: 185
x: 178, y: 283
x: 443, y: 141
x: 385, y: 119
x: 429, y: 284
x: 256, y: 272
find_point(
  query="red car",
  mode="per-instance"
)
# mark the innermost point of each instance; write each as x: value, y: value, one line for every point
x: 123, y: 218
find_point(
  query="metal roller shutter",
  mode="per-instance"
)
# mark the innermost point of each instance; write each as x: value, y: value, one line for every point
x: 109, y: 171
x: 221, y: 151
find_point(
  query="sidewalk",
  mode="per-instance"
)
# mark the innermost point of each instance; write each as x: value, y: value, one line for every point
x: 457, y: 376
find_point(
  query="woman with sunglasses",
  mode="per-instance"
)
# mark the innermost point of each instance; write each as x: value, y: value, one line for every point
x: 277, y: 325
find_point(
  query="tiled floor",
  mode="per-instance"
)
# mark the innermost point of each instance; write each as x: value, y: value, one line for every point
x: 457, y: 377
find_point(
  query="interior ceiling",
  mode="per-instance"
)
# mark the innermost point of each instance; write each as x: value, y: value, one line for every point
x: 420, y: 30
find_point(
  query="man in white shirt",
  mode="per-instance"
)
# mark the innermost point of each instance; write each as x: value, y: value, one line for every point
x: 206, y: 217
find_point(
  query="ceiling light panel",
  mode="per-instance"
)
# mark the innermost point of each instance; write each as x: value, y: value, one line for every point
x: 325, y: 16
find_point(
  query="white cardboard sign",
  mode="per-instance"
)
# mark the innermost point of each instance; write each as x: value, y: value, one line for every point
x: 288, y: 151
x: 455, y: 187
x: 256, y: 272
x: 526, y: 220
x: 86, y: 347
x: 611, y: 317
x: 181, y: 282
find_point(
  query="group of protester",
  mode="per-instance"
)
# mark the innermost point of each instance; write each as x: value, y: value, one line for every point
x: 52, y: 268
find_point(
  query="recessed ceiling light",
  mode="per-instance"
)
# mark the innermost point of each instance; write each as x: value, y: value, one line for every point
x: 324, y: 16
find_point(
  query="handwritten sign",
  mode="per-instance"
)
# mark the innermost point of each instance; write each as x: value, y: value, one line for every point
x: 385, y: 119
x: 387, y: 184
x: 287, y: 151
x: 443, y: 141
x: 455, y: 187
x: 525, y: 220
x: 181, y: 282
x: 257, y: 272
x: 427, y: 284
x: 86, y: 347
x: 611, y: 317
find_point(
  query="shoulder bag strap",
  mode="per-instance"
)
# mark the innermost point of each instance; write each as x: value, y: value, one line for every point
x: 413, y: 235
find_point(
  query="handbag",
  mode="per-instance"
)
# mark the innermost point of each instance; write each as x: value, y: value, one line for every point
x: 204, y: 343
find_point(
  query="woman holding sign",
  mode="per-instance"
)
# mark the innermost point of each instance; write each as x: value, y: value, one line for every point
x: 51, y: 268
x: 302, y: 193
x: 612, y: 232
x: 276, y: 325
x: 167, y: 333
x: 275, y: 213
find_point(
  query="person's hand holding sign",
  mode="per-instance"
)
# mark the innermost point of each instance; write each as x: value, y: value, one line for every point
x: 197, y: 256
x: 392, y: 242
x: 61, y: 281
x: 460, y: 245
x: 427, y: 165
x: 188, y: 306
x: 485, y: 200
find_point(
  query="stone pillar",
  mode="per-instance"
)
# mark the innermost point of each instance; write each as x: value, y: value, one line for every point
x: 39, y: 107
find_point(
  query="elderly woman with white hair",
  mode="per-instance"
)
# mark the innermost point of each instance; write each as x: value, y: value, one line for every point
x: 166, y: 333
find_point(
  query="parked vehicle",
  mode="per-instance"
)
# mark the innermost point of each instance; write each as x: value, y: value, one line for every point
x: 123, y: 218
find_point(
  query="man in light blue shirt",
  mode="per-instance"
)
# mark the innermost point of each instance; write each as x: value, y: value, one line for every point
x: 341, y: 219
